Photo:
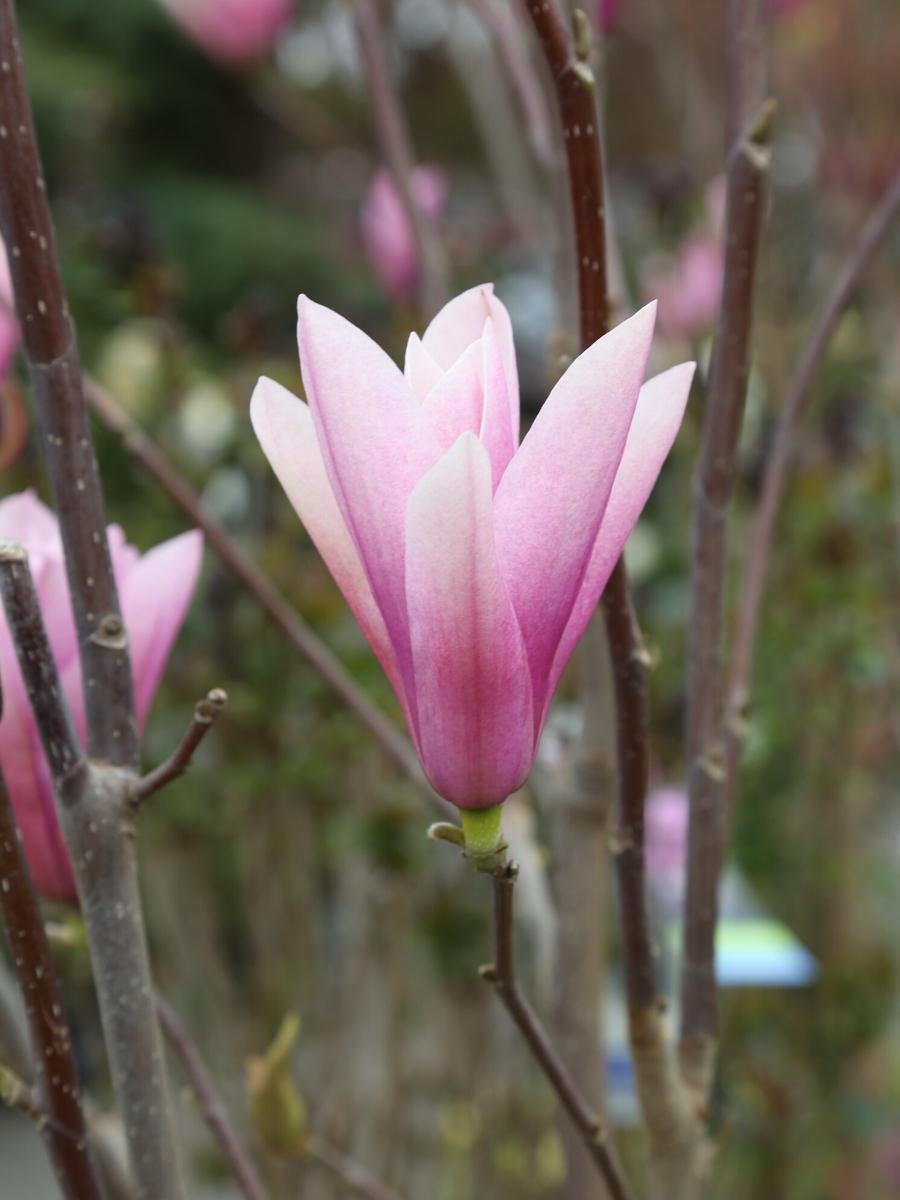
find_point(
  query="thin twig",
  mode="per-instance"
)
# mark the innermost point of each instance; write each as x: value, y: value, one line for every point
x: 148, y: 455
x: 50, y: 348
x: 778, y: 464
x: 747, y: 196
x: 92, y: 805
x: 398, y: 152
x: 206, y: 712
x: 211, y: 1106
x: 502, y: 975
x: 350, y: 1174
x: 57, y: 1093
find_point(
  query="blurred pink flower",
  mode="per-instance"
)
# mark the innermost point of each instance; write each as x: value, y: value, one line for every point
x: 387, y: 233
x: 667, y: 828
x: 688, y: 283
x: 233, y: 32
x: 688, y: 286
x: 155, y: 591
x: 472, y: 564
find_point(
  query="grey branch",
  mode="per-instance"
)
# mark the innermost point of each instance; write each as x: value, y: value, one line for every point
x: 96, y: 818
x: 206, y: 712
x: 747, y: 194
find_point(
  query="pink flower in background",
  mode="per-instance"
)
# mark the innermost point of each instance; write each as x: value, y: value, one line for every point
x: 387, y: 234
x: 233, y: 32
x: 689, y: 286
x: 472, y: 564
x: 688, y: 283
x: 155, y: 591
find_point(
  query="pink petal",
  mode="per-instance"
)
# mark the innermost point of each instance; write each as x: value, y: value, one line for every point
x: 27, y: 780
x: 420, y: 369
x: 284, y: 426
x: 461, y: 322
x: 498, y: 432
x: 155, y: 595
x: 455, y: 404
x: 657, y: 418
x: 376, y: 447
x: 473, y: 690
x: 553, y: 494
x: 26, y: 519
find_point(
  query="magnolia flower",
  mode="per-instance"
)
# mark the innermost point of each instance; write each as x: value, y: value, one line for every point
x: 689, y: 286
x: 155, y: 590
x: 233, y: 32
x: 387, y: 233
x: 472, y: 563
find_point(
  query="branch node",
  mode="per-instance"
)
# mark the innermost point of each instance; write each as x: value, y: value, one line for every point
x: 206, y: 711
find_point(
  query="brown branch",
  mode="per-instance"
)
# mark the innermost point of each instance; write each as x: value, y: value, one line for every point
x: 58, y: 1092
x: 92, y: 805
x: 573, y: 82
x: 50, y: 348
x: 398, y: 153
x: 778, y: 465
x: 747, y: 194
x: 668, y: 1121
x: 211, y: 1106
x: 206, y: 712
x: 502, y: 975
x: 145, y: 452
x: 350, y: 1174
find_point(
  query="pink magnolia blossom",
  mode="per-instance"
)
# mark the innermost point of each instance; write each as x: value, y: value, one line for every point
x: 155, y: 591
x: 233, y: 32
x: 472, y: 563
x: 689, y: 286
x: 387, y: 233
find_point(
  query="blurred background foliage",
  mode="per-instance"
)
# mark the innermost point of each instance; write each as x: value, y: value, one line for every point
x: 289, y: 870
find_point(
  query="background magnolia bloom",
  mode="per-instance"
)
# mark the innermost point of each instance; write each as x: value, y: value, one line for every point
x: 387, y: 233
x: 472, y: 564
x: 232, y: 31
x: 155, y: 590
x: 688, y: 286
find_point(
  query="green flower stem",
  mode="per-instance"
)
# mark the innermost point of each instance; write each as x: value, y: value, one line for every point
x: 481, y: 827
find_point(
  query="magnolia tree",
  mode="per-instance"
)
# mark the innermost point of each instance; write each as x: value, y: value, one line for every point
x: 477, y: 555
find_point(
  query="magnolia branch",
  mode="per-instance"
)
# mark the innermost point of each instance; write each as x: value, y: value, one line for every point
x: 502, y: 975
x: 779, y: 461
x: 398, y: 152
x: 206, y: 713
x: 92, y: 804
x: 57, y: 1094
x: 747, y: 194
x: 658, y: 1087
